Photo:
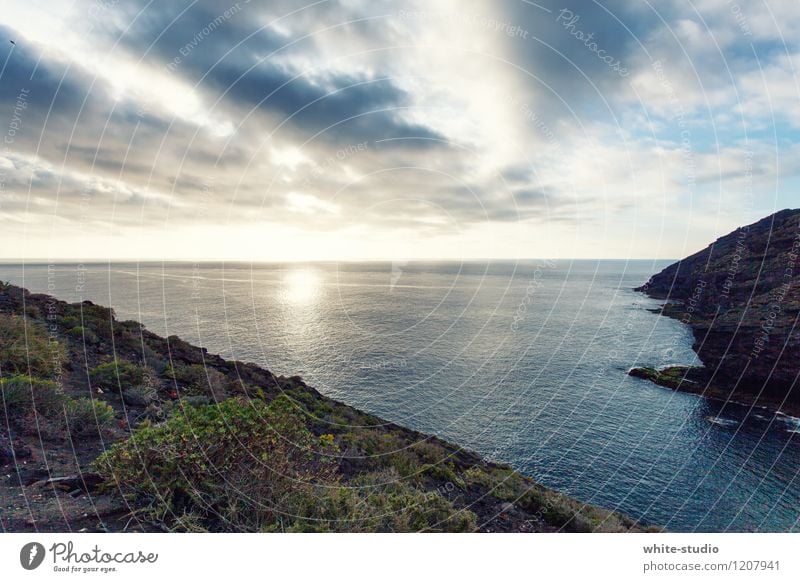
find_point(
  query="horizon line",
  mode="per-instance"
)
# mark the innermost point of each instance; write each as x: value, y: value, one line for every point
x: 94, y: 261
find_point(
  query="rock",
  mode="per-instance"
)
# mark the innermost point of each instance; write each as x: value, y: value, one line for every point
x: 741, y: 297
x: 85, y: 482
x: 26, y: 476
x: 11, y: 449
x: 675, y: 377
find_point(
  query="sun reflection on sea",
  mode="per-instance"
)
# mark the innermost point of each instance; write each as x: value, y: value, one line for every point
x: 300, y: 286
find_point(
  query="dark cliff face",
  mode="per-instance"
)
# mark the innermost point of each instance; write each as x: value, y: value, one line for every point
x: 741, y: 296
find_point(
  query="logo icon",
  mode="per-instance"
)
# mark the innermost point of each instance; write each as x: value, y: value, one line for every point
x: 31, y: 555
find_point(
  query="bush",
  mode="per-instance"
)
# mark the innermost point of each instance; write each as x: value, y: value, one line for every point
x: 119, y: 373
x: 139, y: 395
x: 232, y: 465
x: 83, y: 334
x: 22, y: 395
x: 85, y: 414
x: 25, y: 348
x: 380, y: 502
x: 553, y: 508
x: 201, y: 380
x: 198, y: 400
x: 70, y: 322
x: 95, y: 317
x: 152, y: 359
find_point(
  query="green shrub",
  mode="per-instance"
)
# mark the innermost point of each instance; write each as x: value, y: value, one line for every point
x: 85, y: 414
x: 234, y: 464
x: 152, y: 359
x: 139, y: 395
x: 70, y: 322
x: 200, y: 380
x: 118, y: 373
x: 94, y: 317
x: 196, y: 400
x: 379, y: 502
x: 25, y: 348
x: 22, y: 395
x: 429, y: 451
x: 555, y: 509
x: 186, y: 374
x: 83, y: 334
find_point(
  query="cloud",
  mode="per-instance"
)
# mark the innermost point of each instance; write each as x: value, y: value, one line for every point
x: 386, y: 119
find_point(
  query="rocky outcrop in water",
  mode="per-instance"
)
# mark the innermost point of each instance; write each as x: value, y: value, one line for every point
x: 741, y: 297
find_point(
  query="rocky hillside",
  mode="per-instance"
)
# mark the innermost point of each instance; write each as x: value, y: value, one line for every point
x: 105, y: 426
x: 741, y: 297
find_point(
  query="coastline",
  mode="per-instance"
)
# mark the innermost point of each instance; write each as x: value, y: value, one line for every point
x: 740, y: 296
x: 694, y: 380
x: 60, y: 471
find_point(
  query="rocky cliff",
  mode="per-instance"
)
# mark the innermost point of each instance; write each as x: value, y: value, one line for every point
x: 741, y: 297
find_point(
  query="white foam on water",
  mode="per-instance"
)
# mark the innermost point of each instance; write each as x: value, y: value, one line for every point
x: 721, y: 421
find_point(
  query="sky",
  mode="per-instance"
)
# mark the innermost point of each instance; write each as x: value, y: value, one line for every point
x: 349, y: 130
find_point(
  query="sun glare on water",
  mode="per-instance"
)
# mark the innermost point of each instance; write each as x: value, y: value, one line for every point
x: 300, y: 286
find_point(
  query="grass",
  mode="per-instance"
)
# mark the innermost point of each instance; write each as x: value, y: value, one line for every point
x: 24, y: 397
x: 245, y: 465
x: 86, y: 415
x: 26, y: 348
x: 22, y: 394
x: 119, y: 374
x: 553, y: 508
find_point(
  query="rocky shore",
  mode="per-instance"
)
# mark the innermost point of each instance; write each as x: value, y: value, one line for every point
x: 741, y: 298
x: 108, y: 427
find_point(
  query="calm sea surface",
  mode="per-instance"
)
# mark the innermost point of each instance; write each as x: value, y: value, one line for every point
x: 524, y: 362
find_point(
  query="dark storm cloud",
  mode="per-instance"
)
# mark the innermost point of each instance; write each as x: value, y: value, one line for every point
x: 65, y: 106
x: 191, y: 33
x: 345, y: 108
x: 228, y: 51
x: 54, y: 91
x: 67, y: 142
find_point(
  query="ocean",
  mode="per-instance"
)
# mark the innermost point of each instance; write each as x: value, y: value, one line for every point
x: 523, y: 362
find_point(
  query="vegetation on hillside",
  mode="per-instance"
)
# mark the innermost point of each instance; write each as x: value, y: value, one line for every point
x: 192, y: 442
